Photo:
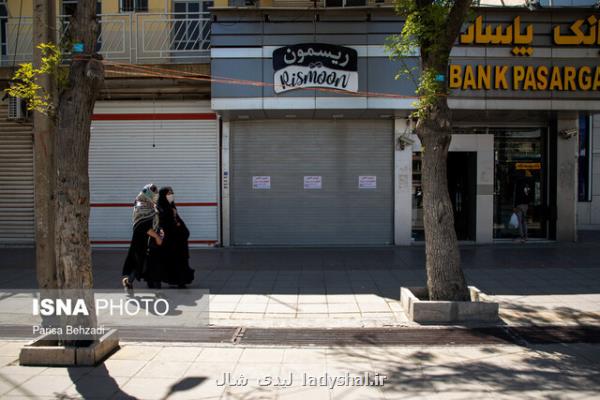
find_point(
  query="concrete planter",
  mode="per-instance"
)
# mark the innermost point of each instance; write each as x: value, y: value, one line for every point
x: 47, y: 352
x: 443, y: 312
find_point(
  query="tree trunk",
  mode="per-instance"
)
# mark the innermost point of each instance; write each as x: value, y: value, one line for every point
x: 445, y: 279
x: 44, y: 149
x: 75, y: 107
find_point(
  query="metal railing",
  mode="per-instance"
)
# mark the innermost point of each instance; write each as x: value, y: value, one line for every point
x: 135, y: 38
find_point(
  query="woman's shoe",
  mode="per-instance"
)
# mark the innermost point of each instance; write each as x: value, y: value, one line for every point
x: 127, y: 285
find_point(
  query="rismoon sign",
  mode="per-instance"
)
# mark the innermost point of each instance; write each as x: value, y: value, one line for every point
x: 315, y: 65
x: 581, y: 33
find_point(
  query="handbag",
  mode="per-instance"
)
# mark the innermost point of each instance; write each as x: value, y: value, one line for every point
x: 514, y: 221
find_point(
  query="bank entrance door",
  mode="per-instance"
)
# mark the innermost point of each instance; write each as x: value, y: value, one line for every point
x: 520, y: 177
x: 462, y: 188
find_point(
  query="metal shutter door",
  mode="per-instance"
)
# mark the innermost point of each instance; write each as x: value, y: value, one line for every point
x: 338, y: 214
x: 126, y: 155
x: 16, y: 180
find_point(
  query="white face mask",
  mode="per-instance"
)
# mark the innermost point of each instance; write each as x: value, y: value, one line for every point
x: 170, y: 198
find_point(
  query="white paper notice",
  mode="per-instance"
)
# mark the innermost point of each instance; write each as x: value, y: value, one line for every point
x: 367, y: 182
x: 312, y: 182
x: 261, y: 182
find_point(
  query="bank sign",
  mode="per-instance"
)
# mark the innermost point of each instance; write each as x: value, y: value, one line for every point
x: 315, y: 65
x: 528, y: 75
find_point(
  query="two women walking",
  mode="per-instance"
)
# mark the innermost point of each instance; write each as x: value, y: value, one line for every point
x: 159, y: 245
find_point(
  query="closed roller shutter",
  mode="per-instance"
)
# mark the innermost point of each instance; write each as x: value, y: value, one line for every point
x: 16, y: 181
x: 128, y: 151
x: 287, y: 214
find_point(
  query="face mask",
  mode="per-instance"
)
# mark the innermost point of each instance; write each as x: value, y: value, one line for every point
x: 155, y: 197
x: 170, y: 198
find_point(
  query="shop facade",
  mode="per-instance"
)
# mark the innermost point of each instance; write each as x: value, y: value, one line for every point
x: 318, y: 150
x: 168, y: 143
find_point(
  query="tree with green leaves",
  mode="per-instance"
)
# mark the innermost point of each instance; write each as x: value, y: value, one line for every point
x: 432, y: 27
x: 78, y: 80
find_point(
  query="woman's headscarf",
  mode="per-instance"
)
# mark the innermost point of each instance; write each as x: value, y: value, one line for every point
x: 144, y: 209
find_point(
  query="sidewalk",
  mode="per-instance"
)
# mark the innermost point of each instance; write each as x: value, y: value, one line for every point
x: 178, y: 371
x: 536, y: 283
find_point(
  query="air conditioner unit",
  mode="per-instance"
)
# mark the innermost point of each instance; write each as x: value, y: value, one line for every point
x: 15, y: 108
x: 345, y: 3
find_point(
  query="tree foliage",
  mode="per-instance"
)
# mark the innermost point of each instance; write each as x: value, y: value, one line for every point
x: 426, y: 32
x: 25, y: 81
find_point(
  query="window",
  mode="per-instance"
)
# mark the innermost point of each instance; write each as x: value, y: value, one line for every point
x: 191, y: 30
x: 69, y: 6
x: 134, y: 5
x: 585, y: 159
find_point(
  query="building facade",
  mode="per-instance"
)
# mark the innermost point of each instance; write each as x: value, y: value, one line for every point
x: 283, y: 123
x: 522, y: 83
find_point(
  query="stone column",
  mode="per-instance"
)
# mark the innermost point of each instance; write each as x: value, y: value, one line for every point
x: 225, y: 184
x: 402, y: 184
x: 566, y: 175
x: 485, y: 189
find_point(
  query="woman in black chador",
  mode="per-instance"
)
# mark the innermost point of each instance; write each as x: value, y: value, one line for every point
x: 145, y: 231
x: 174, y: 252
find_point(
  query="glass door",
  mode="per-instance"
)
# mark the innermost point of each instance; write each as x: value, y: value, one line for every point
x: 520, y: 178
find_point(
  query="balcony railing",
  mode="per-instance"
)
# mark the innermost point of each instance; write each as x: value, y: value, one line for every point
x: 134, y: 38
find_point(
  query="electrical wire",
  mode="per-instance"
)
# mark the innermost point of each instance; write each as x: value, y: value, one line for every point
x: 157, y: 72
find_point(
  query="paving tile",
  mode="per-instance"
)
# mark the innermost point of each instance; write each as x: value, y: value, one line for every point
x: 163, y: 369
x: 213, y: 370
x: 281, y: 308
x: 147, y: 388
x: 119, y: 368
x: 346, y: 316
x: 254, y: 371
x: 250, y: 393
x: 43, y: 386
x: 220, y: 354
x: 373, y: 307
x: 8, y: 383
x: 283, y: 298
x: 244, y: 307
x: 341, y: 298
x: 278, y: 316
x: 183, y: 353
x: 6, y: 360
x: 343, y: 308
x: 312, y: 308
x: 356, y: 393
x: 74, y: 372
x: 304, y: 355
x: 262, y: 355
x: 303, y: 393
x: 312, y: 298
x: 15, y: 369
x: 134, y: 352
x: 97, y: 387
x: 11, y: 349
x: 254, y: 298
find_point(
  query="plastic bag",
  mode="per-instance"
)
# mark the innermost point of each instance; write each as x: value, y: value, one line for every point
x: 514, y: 221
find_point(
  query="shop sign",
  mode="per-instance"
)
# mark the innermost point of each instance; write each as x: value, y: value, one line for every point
x: 315, y: 65
x: 367, y: 182
x: 313, y: 182
x: 528, y: 166
x: 261, y: 182
x: 582, y: 32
